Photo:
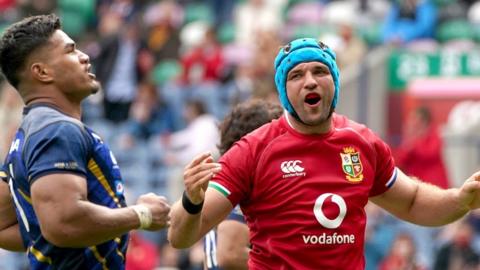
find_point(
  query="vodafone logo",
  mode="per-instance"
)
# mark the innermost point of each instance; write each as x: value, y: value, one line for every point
x: 322, y: 219
x: 291, y: 166
x: 332, y: 237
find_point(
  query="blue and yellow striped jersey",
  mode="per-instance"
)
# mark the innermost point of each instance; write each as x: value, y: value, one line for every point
x: 50, y: 142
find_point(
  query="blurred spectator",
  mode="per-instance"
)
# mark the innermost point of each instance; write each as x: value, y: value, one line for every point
x: 141, y: 253
x: 352, y: 49
x: 170, y: 257
x: 409, y: 20
x: 253, y: 16
x: 222, y: 10
x: 239, y: 88
x: 162, y: 20
x: 8, y: 12
x: 117, y: 66
x: 452, y: 10
x: 36, y: 7
x: 458, y: 254
x: 149, y: 116
x: 402, y: 255
x: 422, y: 144
x: 203, y: 70
x: 203, y: 63
x: 265, y: 50
x: 182, y: 145
x: 6, y: 4
x: 150, y: 120
x: 200, y: 135
x: 379, y: 235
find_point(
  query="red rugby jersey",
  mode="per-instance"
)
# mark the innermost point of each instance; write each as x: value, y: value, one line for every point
x: 303, y: 196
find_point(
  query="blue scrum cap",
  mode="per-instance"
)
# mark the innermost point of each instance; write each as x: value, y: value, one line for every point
x: 300, y: 51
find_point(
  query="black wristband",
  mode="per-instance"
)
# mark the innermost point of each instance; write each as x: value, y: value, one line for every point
x: 190, y: 207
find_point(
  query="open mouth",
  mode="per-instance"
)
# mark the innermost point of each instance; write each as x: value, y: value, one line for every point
x: 89, y: 72
x: 312, y: 99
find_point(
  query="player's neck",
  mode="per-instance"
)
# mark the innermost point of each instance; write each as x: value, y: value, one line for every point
x: 322, y: 128
x: 54, y: 98
x: 72, y: 111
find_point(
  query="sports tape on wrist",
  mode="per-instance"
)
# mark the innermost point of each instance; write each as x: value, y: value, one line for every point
x: 144, y: 216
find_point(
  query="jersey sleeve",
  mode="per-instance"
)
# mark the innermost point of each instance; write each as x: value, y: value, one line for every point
x: 385, y: 171
x: 234, y: 179
x: 61, y: 147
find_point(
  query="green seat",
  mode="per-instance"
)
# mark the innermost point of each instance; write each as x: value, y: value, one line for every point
x: 292, y: 3
x: 372, y: 35
x: 311, y: 31
x: 74, y: 24
x: 3, y: 26
x: 226, y: 33
x: 441, y: 3
x: 84, y: 8
x: 476, y: 32
x: 165, y: 71
x: 197, y: 12
x: 455, y: 30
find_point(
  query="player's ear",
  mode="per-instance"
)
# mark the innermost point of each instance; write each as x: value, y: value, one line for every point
x: 41, y: 72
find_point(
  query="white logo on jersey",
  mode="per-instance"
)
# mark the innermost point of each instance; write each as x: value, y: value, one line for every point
x: 114, y: 160
x: 99, y: 139
x: 327, y: 238
x: 292, y: 168
x: 14, y: 146
x: 322, y: 219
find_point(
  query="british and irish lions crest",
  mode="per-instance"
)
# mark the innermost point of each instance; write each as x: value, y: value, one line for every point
x: 352, y: 165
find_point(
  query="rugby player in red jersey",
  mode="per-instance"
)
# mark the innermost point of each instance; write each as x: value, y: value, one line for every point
x: 303, y: 181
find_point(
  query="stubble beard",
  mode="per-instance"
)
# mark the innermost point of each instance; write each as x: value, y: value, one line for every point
x: 321, y: 119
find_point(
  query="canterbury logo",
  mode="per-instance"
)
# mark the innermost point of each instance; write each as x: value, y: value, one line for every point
x: 292, y: 166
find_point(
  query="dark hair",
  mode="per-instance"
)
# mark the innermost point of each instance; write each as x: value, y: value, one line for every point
x: 245, y: 118
x: 198, y: 106
x: 424, y: 114
x: 21, y: 39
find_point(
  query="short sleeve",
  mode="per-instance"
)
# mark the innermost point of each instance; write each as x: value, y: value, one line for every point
x: 234, y: 180
x: 61, y: 147
x: 385, y: 171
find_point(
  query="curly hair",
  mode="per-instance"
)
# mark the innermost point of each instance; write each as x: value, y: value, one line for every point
x: 21, y: 39
x: 243, y: 119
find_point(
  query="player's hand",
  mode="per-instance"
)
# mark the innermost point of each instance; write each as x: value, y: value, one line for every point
x: 159, y: 208
x: 196, y: 176
x: 470, y: 192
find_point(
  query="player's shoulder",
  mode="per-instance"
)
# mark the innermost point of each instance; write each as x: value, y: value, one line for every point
x: 255, y: 142
x: 268, y: 131
x: 346, y: 126
x: 43, y: 120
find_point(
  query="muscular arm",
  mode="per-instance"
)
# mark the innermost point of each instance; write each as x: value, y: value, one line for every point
x: 7, y: 210
x: 10, y: 238
x: 232, y: 245
x: 187, y: 229
x: 68, y: 219
x: 424, y: 204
